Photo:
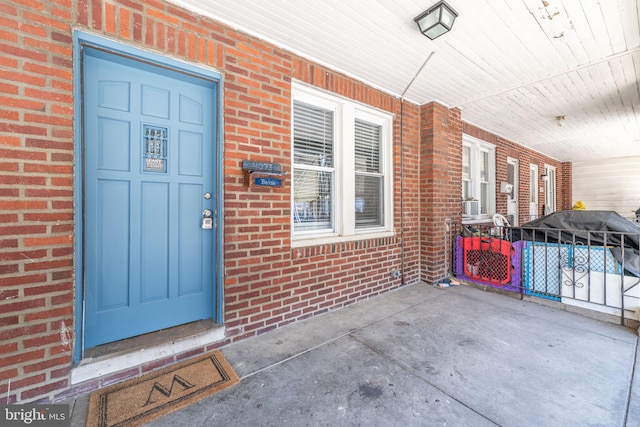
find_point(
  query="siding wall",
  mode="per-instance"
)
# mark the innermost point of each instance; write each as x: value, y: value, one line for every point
x: 611, y: 184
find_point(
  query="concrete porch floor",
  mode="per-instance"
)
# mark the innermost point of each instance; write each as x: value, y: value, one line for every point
x: 423, y: 356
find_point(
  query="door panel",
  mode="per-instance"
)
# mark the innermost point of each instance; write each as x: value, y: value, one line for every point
x: 112, y: 227
x: 190, y: 268
x: 154, y: 242
x: 148, y: 146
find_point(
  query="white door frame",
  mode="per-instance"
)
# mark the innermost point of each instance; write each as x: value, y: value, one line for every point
x: 533, y: 191
x: 512, y: 197
x: 550, y: 189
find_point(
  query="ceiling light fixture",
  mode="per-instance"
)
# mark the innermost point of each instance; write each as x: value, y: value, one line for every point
x: 436, y: 20
x: 560, y: 120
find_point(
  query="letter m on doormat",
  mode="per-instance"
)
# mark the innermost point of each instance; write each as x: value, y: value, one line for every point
x: 166, y: 392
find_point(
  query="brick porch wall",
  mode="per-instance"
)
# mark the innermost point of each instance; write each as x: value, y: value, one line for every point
x: 267, y: 284
x: 565, y: 196
x: 440, y: 185
x: 525, y: 157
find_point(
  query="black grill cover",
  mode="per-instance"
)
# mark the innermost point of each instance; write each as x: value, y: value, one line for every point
x: 588, y: 227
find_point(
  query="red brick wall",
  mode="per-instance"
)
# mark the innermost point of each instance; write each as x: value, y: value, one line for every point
x: 440, y: 185
x: 525, y: 156
x: 407, y: 189
x: 36, y: 199
x: 267, y: 283
x: 565, y: 184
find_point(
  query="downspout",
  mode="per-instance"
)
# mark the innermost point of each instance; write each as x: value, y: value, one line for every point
x: 402, y: 164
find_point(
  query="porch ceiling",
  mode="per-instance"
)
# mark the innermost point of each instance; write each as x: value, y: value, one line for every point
x: 511, y: 66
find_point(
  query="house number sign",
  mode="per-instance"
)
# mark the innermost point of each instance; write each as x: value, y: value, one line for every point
x: 262, y: 174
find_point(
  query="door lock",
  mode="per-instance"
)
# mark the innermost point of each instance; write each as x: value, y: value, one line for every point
x: 207, y: 221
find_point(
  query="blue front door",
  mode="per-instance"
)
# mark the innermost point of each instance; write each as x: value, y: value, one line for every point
x: 149, y: 181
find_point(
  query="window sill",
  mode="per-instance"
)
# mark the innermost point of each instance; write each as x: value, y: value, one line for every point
x: 318, y: 241
x: 483, y: 220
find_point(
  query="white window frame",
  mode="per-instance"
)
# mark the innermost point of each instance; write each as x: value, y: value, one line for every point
x: 476, y: 147
x: 344, y: 215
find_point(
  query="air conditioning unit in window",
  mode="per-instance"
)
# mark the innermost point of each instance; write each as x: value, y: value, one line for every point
x: 471, y: 209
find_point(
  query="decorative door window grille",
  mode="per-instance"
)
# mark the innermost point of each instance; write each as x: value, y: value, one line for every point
x: 155, y: 141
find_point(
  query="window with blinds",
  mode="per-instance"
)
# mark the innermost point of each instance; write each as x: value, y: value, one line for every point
x: 478, y: 173
x: 369, y: 209
x: 485, y: 183
x: 342, y: 177
x: 313, y: 170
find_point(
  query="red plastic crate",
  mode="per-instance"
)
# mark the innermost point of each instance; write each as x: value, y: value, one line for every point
x: 487, y: 260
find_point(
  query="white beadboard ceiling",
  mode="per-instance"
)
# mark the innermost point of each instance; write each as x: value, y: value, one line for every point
x: 511, y: 66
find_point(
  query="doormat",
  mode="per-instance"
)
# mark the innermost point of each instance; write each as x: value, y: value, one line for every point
x: 140, y: 400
